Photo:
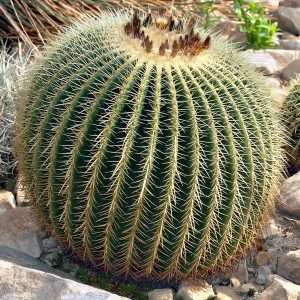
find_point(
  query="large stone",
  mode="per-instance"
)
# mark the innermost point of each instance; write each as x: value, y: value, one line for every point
x: 271, y: 61
x: 21, y: 283
x: 290, y: 3
x: 161, y: 294
x: 19, y: 230
x: 194, y: 290
x: 291, y: 70
x: 289, y: 266
x: 7, y: 201
x: 289, y: 201
x: 263, y: 62
x: 226, y: 293
x: 290, y: 44
x: 25, y: 260
x: 280, y: 289
x: 288, y: 19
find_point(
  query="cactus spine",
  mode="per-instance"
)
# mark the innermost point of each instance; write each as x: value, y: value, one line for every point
x: 149, y: 147
x: 291, y: 111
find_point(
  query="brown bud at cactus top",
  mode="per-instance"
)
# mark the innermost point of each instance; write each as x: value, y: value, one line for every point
x: 186, y: 43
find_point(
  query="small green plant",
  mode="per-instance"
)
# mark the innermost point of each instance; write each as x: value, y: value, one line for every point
x: 206, y: 12
x: 260, y: 31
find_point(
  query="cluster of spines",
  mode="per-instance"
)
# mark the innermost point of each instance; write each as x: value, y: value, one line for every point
x: 148, y: 170
x: 291, y: 116
x: 187, y: 44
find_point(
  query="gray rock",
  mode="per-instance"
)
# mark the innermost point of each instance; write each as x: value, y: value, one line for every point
x: 280, y: 289
x: 19, y: 283
x: 289, y: 3
x: 288, y: 19
x: 262, y: 275
x: 263, y: 62
x: 289, y: 266
x: 226, y: 293
x: 7, y: 201
x: 194, y: 290
x: 289, y: 201
x: 161, y: 294
x: 22, y: 259
x: 19, y: 230
x: 291, y: 70
x: 49, y: 243
x: 271, y: 61
x: 293, y: 44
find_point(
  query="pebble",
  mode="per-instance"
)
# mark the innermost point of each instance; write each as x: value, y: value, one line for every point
x: 289, y: 266
x: 161, y: 294
x: 226, y: 293
x: 7, y: 201
x: 289, y: 201
x: 234, y: 282
x: 194, y: 290
x: 19, y: 229
x: 280, y: 289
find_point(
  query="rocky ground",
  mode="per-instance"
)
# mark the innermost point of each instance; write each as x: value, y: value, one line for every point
x: 33, y: 266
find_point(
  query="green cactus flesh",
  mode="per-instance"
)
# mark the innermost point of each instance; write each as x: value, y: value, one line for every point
x: 148, y: 154
x: 291, y: 111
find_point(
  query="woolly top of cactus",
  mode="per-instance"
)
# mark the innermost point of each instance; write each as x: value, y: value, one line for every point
x: 156, y: 39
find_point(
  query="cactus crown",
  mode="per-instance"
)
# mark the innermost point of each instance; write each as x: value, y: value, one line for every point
x: 149, y: 148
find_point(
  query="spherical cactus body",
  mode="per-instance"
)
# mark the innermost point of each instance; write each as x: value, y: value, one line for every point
x: 149, y: 147
x: 291, y: 112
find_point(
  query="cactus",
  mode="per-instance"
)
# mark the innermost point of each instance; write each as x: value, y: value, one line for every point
x: 291, y: 111
x: 150, y: 148
x: 12, y: 65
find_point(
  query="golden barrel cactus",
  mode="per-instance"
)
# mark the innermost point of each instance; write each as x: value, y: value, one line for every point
x: 148, y: 146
